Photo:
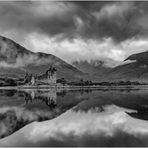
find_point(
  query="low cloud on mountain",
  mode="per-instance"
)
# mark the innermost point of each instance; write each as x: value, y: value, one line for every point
x: 77, y: 30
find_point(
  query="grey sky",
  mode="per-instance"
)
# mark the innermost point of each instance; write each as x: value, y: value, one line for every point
x: 77, y: 30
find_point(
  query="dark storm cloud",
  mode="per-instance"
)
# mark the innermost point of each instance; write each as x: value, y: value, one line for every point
x: 45, y: 17
x: 118, y: 20
x: 113, y: 19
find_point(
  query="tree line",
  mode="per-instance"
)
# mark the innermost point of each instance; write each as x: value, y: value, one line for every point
x: 20, y: 81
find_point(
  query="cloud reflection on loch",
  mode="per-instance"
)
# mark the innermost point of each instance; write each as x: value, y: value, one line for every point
x: 19, y: 108
x: 113, y: 127
x: 75, y: 118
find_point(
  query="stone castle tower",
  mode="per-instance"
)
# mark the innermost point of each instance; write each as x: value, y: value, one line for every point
x: 51, y: 75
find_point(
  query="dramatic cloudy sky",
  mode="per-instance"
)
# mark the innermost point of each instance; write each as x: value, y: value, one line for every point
x: 78, y: 30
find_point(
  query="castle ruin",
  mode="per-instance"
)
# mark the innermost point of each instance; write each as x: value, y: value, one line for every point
x: 47, y: 78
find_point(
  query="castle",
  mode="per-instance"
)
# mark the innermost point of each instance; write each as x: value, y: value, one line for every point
x: 47, y: 78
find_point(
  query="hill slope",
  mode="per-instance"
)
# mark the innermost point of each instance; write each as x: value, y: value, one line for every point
x: 92, y: 67
x: 137, y: 70
x: 95, y: 69
x: 15, y: 61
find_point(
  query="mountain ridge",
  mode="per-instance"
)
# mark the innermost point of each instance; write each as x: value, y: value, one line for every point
x: 17, y: 60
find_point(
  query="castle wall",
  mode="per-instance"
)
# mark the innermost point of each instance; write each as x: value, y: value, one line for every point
x: 47, y: 78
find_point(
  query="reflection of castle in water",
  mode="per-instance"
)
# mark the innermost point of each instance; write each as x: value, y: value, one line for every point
x: 48, y: 97
x: 47, y: 78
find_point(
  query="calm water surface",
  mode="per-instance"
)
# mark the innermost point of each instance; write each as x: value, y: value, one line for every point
x: 21, y: 107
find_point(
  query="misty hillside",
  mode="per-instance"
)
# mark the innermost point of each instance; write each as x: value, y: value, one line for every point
x: 94, y: 67
x: 136, y: 70
x: 15, y: 61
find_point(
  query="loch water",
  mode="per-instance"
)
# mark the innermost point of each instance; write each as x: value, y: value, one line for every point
x: 19, y: 108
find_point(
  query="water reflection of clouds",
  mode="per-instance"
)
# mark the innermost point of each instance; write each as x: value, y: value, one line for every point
x: 92, y: 122
x: 14, y: 118
x: 113, y: 127
x: 15, y: 115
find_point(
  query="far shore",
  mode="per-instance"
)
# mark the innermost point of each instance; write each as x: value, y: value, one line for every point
x: 67, y: 87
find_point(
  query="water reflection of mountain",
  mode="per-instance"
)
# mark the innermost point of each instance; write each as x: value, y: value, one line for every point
x: 111, y: 128
x: 141, y: 113
x: 42, y: 97
x: 49, y: 97
x: 20, y: 107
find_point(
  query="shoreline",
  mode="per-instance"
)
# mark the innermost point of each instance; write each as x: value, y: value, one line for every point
x: 74, y: 87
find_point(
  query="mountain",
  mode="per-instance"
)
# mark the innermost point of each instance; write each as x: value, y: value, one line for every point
x: 16, y: 60
x: 140, y: 58
x: 136, y: 70
x: 92, y: 67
